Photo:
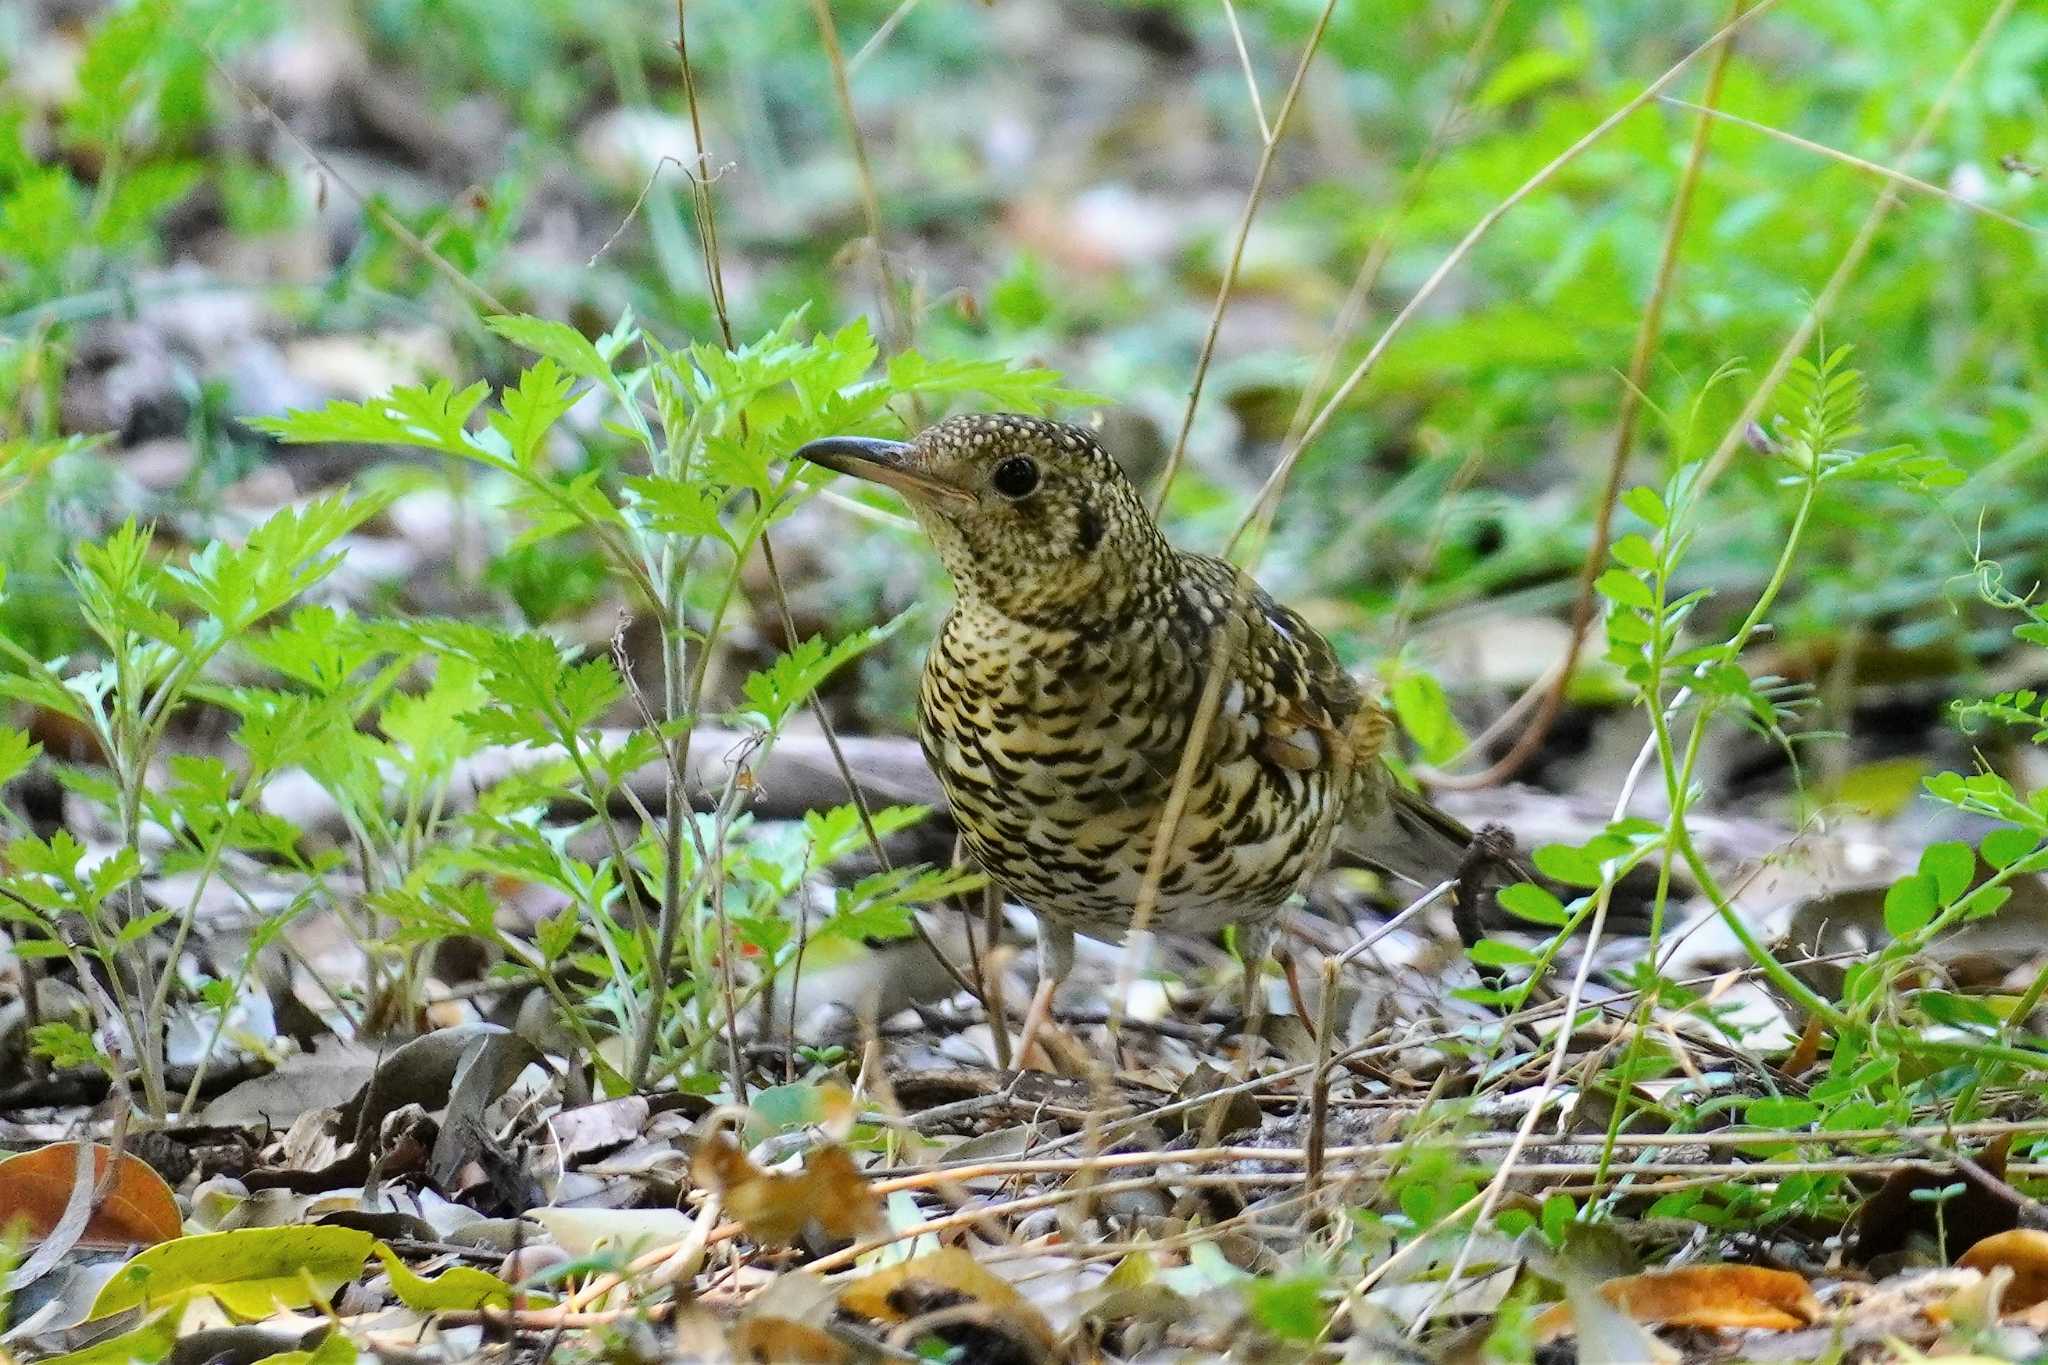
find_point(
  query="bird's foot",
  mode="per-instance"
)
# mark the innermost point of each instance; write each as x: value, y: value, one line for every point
x: 1295, y: 995
x: 1489, y: 857
x: 1041, y: 1044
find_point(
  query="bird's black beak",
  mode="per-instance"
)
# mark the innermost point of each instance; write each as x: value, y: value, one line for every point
x: 884, y: 462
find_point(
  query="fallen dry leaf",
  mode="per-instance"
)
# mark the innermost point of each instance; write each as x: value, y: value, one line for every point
x: 2024, y: 1251
x: 776, y: 1206
x: 841, y: 1200
x: 137, y: 1208
x: 598, y: 1127
x: 1802, y: 1057
x: 584, y: 1232
x: 1704, y: 1296
x: 772, y: 1205
x: 1899, y: 1210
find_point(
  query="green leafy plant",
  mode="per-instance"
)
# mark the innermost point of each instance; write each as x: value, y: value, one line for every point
x: 142, y: 97
x: 1689, y: 687
x: 681, y: 922
x: 157, y: 627
x: 686, y: 921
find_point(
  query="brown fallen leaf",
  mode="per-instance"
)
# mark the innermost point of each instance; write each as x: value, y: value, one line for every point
x: 776, y: 1206
x: 137, y: 1208
x: 1704, y: 1296
x: 64, y: 737
x: 2022, y: 1250
x: 598, y: 1127
x: 771, y: 1205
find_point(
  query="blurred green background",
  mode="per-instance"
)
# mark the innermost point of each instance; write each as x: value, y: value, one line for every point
x: 201, y: 206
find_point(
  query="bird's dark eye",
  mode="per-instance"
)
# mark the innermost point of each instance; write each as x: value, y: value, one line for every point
x: 1015, y: 477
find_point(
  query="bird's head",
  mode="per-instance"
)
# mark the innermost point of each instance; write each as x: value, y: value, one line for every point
x: 1032, y: 518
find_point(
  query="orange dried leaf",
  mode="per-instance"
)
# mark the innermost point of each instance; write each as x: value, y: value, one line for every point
x: 137, y: 1207
x: 772, y: 1206
x: 841, y: 1198
x: 720, y: 1165
x: 1716, y: 1296
x: 776, y: 1206
x: 2025, y: 1252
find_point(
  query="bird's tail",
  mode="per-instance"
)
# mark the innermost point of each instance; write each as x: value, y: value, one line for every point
x: 1412, y: 840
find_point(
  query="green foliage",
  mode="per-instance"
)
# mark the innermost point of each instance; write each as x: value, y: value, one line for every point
x: 1818, y: 537
x: 687, y: 922
x: 158, y: 627
x: 1289, y: 1307
x: 1893, y: 1049
x: 1424, y: 712
x: 775, y: 692
x: 711, y: 427
x: 142, y: 93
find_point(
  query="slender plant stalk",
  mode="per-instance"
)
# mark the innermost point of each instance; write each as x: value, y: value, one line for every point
x: 1261, y: 512
x: 1852, y: 257
x: 1243, y: 234
x: 1251, y: 77
x: 714, y: 272
x: 870, y: 202
x: 1898, y: 177
x: 1648, y: 330
x: 880, y: 37
x: 482, y: 299
x: 1382, y: 247
x: 1677, y: 775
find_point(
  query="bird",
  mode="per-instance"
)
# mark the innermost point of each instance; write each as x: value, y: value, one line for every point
x: 1086, y: 662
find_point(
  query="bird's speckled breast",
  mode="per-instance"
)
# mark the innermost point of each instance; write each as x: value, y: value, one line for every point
x: 1057, y: 750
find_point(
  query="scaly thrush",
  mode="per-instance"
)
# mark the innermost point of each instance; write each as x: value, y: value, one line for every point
x: 1065, y: 685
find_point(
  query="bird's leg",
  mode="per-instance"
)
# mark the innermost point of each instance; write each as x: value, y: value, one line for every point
x: 1254, y: 945
x: 1055, y: 961
x: 1294, y: 991
x: 1034, y: 1020
x: 988, y: 975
